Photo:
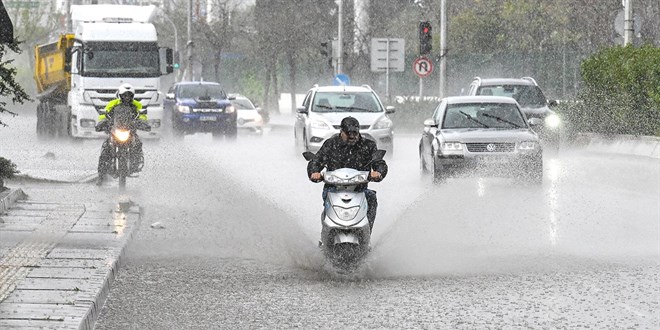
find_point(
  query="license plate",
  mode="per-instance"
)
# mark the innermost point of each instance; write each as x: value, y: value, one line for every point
x: 208, y: 118
x: 493, y: 159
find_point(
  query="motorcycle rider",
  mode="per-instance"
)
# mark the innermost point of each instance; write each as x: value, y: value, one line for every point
x: 349, y: 149
x: 125, y: 95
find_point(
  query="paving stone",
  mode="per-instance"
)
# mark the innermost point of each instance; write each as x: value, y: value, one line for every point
x: 58, y: 284
x: 7, y: 227
x: 47, y: 297
x: 105, y: 229
x: 67, y: 323
x: 71, y: 253
x: 41, y: 311
x: 73, y: 263
x: 9, y: 219
x: 72, y: 273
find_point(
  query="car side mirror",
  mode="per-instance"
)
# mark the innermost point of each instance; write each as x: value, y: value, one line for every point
x: 301, y: 110
x: 389, y: 109
x: 535, y: 121
x: 430, y: 123
x: 169, y: 96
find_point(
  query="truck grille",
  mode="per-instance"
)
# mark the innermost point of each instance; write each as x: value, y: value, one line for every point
x: 494, y: 147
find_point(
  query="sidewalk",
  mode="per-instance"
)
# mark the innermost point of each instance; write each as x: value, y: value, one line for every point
x: 58, y: 260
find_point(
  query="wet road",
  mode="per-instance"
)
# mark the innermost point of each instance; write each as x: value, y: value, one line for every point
x: 241, y: 224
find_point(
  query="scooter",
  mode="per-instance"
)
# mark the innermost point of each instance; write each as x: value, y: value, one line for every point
x: 345, y: 233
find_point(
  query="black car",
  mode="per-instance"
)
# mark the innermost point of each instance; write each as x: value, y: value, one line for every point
x: 200, y: 107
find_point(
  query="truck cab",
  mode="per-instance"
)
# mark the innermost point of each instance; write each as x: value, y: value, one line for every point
x: 113, y: 45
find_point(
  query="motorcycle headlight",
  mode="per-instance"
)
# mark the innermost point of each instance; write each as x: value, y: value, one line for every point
x: 121, y: 134
x: 552, y: 121
x: 230, y: 109
x: 527, y: 145
x: 383, y: 123
x: 319, y: 124
x: 346, y: 213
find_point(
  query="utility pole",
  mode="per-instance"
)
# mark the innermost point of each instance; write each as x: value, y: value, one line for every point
x: 340, y: 40
x: 443, y: 48
x: 68, y: 25
x: 189, y: 45
x: 628, y: 28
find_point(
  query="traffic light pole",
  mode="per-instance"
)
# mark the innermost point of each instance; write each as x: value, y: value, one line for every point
x: 340, y: 40
x: 189, y: 45
x: 443, y: 48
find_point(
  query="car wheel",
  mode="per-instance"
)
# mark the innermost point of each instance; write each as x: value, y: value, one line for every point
x: 231, y: 133
x: 439, y: 174
x: 534, y: 172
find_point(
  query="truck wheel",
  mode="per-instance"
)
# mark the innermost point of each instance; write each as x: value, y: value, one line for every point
x: 41, y: 125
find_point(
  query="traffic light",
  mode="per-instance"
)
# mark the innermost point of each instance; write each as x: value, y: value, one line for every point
x: 324, y: 48
x: 425, y: 38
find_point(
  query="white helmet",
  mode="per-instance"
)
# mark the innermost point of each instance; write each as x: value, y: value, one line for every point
x: 125, y: 88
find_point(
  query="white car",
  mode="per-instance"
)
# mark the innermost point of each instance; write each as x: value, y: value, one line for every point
x: 324, y: 107
x: 249, y: 117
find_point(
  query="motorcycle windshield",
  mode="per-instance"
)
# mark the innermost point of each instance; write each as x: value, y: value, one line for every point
x: 123, y: 116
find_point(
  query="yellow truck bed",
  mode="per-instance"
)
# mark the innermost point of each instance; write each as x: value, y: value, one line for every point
x: 49, y: 69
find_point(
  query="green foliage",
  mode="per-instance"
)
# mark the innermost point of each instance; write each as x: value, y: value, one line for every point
x: 621, y: 93
x: 8, y: 85
x: 7, y: 170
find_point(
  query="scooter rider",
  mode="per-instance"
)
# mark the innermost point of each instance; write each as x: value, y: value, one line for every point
x: 125, y: 95
x: 350, y: 149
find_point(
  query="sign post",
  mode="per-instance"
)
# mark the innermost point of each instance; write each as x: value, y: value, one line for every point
x: 423, y: 67
x: 387, y: 54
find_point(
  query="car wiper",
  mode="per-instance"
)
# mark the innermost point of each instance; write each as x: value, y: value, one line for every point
x: 323, y: 106
x: 502, y: 120
x: 474, y: 120
x: 343, y: 108
x: 362, y: 109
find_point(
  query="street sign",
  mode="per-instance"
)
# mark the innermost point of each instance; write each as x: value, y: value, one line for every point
x: 422, y: 66
x: 387, y: 54
x: 341, y: 80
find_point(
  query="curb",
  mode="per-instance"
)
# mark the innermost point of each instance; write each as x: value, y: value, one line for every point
x: 645, y: 146
x: 91, y: 316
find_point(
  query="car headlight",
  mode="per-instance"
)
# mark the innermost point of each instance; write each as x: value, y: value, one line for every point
x: 319, y: 124
x: 346, y: 213
x: 383, y: 123
x: 527, y: 145
x: 552, y: 121
x: 230, y: 109
x: 183, y: 108
x: 87, y: 122
x: 451, y: 146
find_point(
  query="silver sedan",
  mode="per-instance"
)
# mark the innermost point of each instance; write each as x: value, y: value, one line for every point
x: 485, y: 134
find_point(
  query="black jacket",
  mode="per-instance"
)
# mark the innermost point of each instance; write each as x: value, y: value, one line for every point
x: 335, y: 154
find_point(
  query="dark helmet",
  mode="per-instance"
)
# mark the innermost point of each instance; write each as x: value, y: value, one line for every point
x: 350, y: 124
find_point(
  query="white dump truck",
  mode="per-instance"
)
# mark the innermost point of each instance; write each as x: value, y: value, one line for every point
x: 78, y: 74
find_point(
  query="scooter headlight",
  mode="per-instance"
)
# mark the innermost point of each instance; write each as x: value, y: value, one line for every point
x: 121, y: 135
x: 346, y: 213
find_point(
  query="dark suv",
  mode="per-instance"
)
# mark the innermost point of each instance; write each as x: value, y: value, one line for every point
x: 200, y: 107
x: 532, y: 102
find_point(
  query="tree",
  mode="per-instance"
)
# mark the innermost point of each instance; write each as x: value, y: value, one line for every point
x: 9, y: 88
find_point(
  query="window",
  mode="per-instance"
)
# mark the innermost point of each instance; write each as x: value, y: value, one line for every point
x: 345, y: 102
x: 483, y: 115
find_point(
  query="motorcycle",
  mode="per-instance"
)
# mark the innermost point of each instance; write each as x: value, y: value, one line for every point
x: 122, y: 127
x: 345, y: 233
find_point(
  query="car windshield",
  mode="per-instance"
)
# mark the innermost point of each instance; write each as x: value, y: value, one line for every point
x: 528, y: 96
x: 201, y: 91
x: 483, y: 115
x: 345, y: 102
x: 243, y: 104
